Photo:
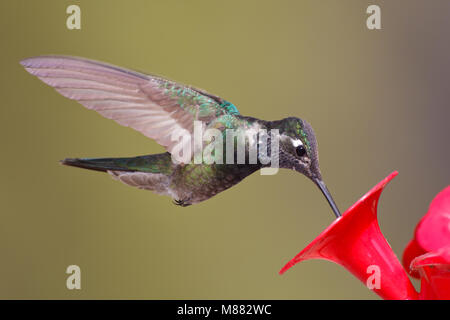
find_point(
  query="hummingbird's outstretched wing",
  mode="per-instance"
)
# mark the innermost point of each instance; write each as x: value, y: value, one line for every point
x: 154, y: 106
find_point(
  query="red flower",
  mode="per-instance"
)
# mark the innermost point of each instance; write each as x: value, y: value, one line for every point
x: 428, y: 254
x: 434, y: 270
x: 356, y: 242
x: 433, y: 231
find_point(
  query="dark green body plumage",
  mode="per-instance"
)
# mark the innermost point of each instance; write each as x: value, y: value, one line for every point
x: 186, y: 183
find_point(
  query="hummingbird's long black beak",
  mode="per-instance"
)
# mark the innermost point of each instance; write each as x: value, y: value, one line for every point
x: 327, y: 195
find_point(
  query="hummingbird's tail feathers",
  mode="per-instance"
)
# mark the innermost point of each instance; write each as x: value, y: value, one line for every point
x: 154, y: 163
x: 92, y: 164
x: 152, y: 172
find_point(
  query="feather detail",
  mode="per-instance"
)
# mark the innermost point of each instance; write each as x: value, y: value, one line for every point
x: 154, y: 106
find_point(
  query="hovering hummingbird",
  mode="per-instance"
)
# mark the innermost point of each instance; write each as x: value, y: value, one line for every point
x: 157, y: 108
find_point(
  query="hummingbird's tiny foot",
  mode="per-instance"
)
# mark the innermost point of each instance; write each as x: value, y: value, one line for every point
x: 181, y: 202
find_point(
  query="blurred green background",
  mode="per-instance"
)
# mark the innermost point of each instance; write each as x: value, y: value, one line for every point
x: 378, y: 100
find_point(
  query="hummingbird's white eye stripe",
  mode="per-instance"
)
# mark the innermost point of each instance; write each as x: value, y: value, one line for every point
x: 297, y: 142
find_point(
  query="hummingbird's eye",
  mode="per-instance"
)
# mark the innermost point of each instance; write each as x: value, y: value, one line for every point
x: 301, y: 151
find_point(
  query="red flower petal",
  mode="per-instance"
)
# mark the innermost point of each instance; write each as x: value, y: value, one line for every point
x: 434, y: 269
x: 432, y: 232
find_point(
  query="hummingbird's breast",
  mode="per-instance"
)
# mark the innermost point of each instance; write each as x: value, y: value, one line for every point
x: 194, y: 183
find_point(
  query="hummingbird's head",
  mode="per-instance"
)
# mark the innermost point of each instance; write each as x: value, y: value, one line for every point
x: 298, y: 147
x: 298, y: 151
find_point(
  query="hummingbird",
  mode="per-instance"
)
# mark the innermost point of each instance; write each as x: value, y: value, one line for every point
x: 158, y: 108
